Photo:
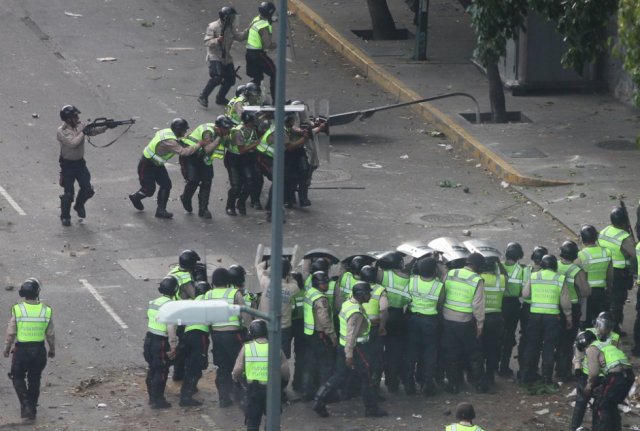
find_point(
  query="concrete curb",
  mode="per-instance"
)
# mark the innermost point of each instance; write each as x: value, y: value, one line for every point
x: 459, y: 137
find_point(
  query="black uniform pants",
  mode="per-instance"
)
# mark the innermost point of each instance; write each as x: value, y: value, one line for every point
x: 258, y: 65
x: 255, y: 405
x: 320, y: 355
x: 543, y: 332
x: 196, y: 359
x: 491, y: 339
x: 240, y: 179
x: 614, y: 390
x: 582, y: 402
x: 299, y: 349
x: 226, y: 346
x: 597, y: 302
x: 522, y: 343
x: 423, y: 347
x: 29, y: 359
x: 511, y: 310
x: 155, y: 352
x: 70, y: 172
x: 179, y: 360
x: 362, y: 367
x: 150, y: 175
x: 296, y: 168
x: 395, y: 364
x: 220, y: 74
x: 460, y: 345
x: 196, y: 173
x: 376, y: 348
x: 564, y: 352
x: 636, y: 325
x: 258, y: 180
x: 622, y: 282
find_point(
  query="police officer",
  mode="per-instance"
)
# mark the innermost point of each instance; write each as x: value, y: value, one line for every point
x: 252, y: 364
x: 160, y: 345
x: 250, y: 95
x: 196, y: 346
x: 218, y: 39
x: 239, y: 159
x: 349, y: 277
x: 321, y: 339
x: 579, y: 291
x: 462, y: 303
x: 258, y: 41
x: 237, y: 278
x: 549, y: 297
x: 511, y: 307
x: 424, y: 290
x: 353, y: 353
x: 197, y: 169
x: 226, y: 337
x: 620, y: 243
x: 72, y: 164
x: 597, y: 262
x: 494, y: 288
x: 465, y: 414
x: 30, y: 324
x: 377, y: 309
x: 151, y: 169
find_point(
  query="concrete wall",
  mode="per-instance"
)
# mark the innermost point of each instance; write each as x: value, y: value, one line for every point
x: 618, y: 81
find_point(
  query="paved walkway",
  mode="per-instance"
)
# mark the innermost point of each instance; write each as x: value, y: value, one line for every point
x: 556, y: 159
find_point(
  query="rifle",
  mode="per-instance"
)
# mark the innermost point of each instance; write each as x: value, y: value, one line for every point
x: 109, y: 123
x: 627, y: 223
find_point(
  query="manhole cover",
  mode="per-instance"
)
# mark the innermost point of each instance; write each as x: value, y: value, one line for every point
x: 449, y: 219
x: 329, y: 176
x: 618, y: 145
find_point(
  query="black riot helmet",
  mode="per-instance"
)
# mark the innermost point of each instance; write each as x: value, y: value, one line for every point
x: 369, y: 274
x: 320, y: 265
x: 569, y: 250
x: 199, y: 272
x: 390, y: 260
x: 538, y: 252
x: 247, y: 117
x: 187, y: 260
x: 202, y: 287
x: 68, y: 112
x: 30, y: 289
x: 258, y: 329
x: 318, y: 279
x: 584, y: 340
x: 427, y: 267
x: 476, y: 261
x: 360, y: 290
x: 356, y: 264
x: 514, y: 251
x: 179, y: 126
x: 240, y: 89
x: 252, y: 89
x: 226, y: 12
x: 169, y: 286
x: 266, y: 9
x: 224, y: 122
x: 549, y: 261
x: 465, y: 412
x: 588, y: 234
x: 220, y: 277
x: 618, y: 217
x: 237, y: 275
x: 603, y: 325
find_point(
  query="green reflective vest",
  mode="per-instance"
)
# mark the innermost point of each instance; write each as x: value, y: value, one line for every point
x: 31, y: 321
x: 153, y: 325
x: 460, y: 427
x: 613, y: 356
x: 614, y: 337
x: 254, y: 41
x: 595, y: 262
x: 195, y: 138
x: 183, y: 277
x: 611, y: 238
x: 493, y: 292
x: 231, y: 108
x: 459, y: 290
x: 526, y: 276
x: 397, y: 288
x: 346, y: 282
x: 311, y: 295
x: 149, y: 151
x: 546, y: 287
x: 372, y: 307
x: 570, y: 270
x: 249, y: 136
x: 264, y: 146
x: 256, y: 361
x: 515, y: 274
x: 424, y: 295
x: 348, y: 309
x: 228, y: 294
x: 203, y: 328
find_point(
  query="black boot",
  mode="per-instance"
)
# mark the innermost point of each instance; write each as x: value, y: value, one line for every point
x: 203, y: 201
x: 65, y: 209
x: 320, y: 400
x: 303, y: 192
x: 189, y: 189
x: 163, y: 198
x: 136, y: 200
x: 83, y: 196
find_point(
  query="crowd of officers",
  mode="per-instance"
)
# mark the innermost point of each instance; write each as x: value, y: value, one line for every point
x: 420, y: 325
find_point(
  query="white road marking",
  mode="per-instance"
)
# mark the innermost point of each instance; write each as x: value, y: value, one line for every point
x: 102, y: 302
x: 13, y: 203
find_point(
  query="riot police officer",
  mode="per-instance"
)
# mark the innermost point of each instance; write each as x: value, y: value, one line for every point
x: 250, y: 94
x: 597, y: 262
x: 151, y: 169
x: 377, y: 309
x: 258, y: 41
x: 239, y: 159
x: 30, y: 324
x: 511, y: 307
x: 160, y: 345
x: 72, y: 164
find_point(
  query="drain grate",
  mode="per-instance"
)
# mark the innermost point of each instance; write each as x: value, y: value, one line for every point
x: 321, y: 176
x: 618, y: 145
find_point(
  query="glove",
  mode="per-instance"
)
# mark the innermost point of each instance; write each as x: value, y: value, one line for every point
x: 51, y: 354
x: 577, y: 373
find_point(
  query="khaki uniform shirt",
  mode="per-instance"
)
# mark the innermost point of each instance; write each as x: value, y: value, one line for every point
x: 356, y: 327
x: 322, y: 318
x: 289, y: 289
x: 72, y: 140
x: 238, y: 368
x: 171, y: 146
x: 214, y: 49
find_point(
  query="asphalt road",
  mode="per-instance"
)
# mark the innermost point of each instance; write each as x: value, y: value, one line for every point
x: 50, y: 59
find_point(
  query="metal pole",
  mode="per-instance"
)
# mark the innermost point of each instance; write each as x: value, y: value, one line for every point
x: 422, y: 30
x: 275, y: 334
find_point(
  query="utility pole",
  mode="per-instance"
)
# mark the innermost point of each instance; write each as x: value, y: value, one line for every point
x: 422, y: 30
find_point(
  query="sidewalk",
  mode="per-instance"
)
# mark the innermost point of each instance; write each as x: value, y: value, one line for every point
x: 555, y: 159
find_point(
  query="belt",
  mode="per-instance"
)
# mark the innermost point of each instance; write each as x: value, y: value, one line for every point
x: 257, y: 382
x: 30, y: 343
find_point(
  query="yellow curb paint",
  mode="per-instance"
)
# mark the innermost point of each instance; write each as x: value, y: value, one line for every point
x: 456, y: 134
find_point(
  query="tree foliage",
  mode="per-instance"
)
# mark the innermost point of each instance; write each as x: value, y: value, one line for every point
x: 629, y: 39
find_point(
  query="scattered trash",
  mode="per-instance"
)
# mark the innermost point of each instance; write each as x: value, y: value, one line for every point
x: 34, y: 115
x: 504, y: 184
x: 479, y: 165
x: 358, y: 76
x: 152, y: 67
x: 436, y: 133
x: 448, y: 147
x: 371, y: 165
x: 73, y: 15
x: 398, y: 418
x: 449, y: 185
x: 101, y: 405
x: 573, y: 393
x: 147, y: 24
x: 72, y: 253
x: 413, y: 415
x: 582, y: 195
x: 180, y: 49
x: 466, y: 190
x: 466, y: 232
x: 8, y: 288
x: 537, y: 405
x: 291, y: 13
x: 103, y: 59
x: 404, y: 156
x: 542, y: 412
